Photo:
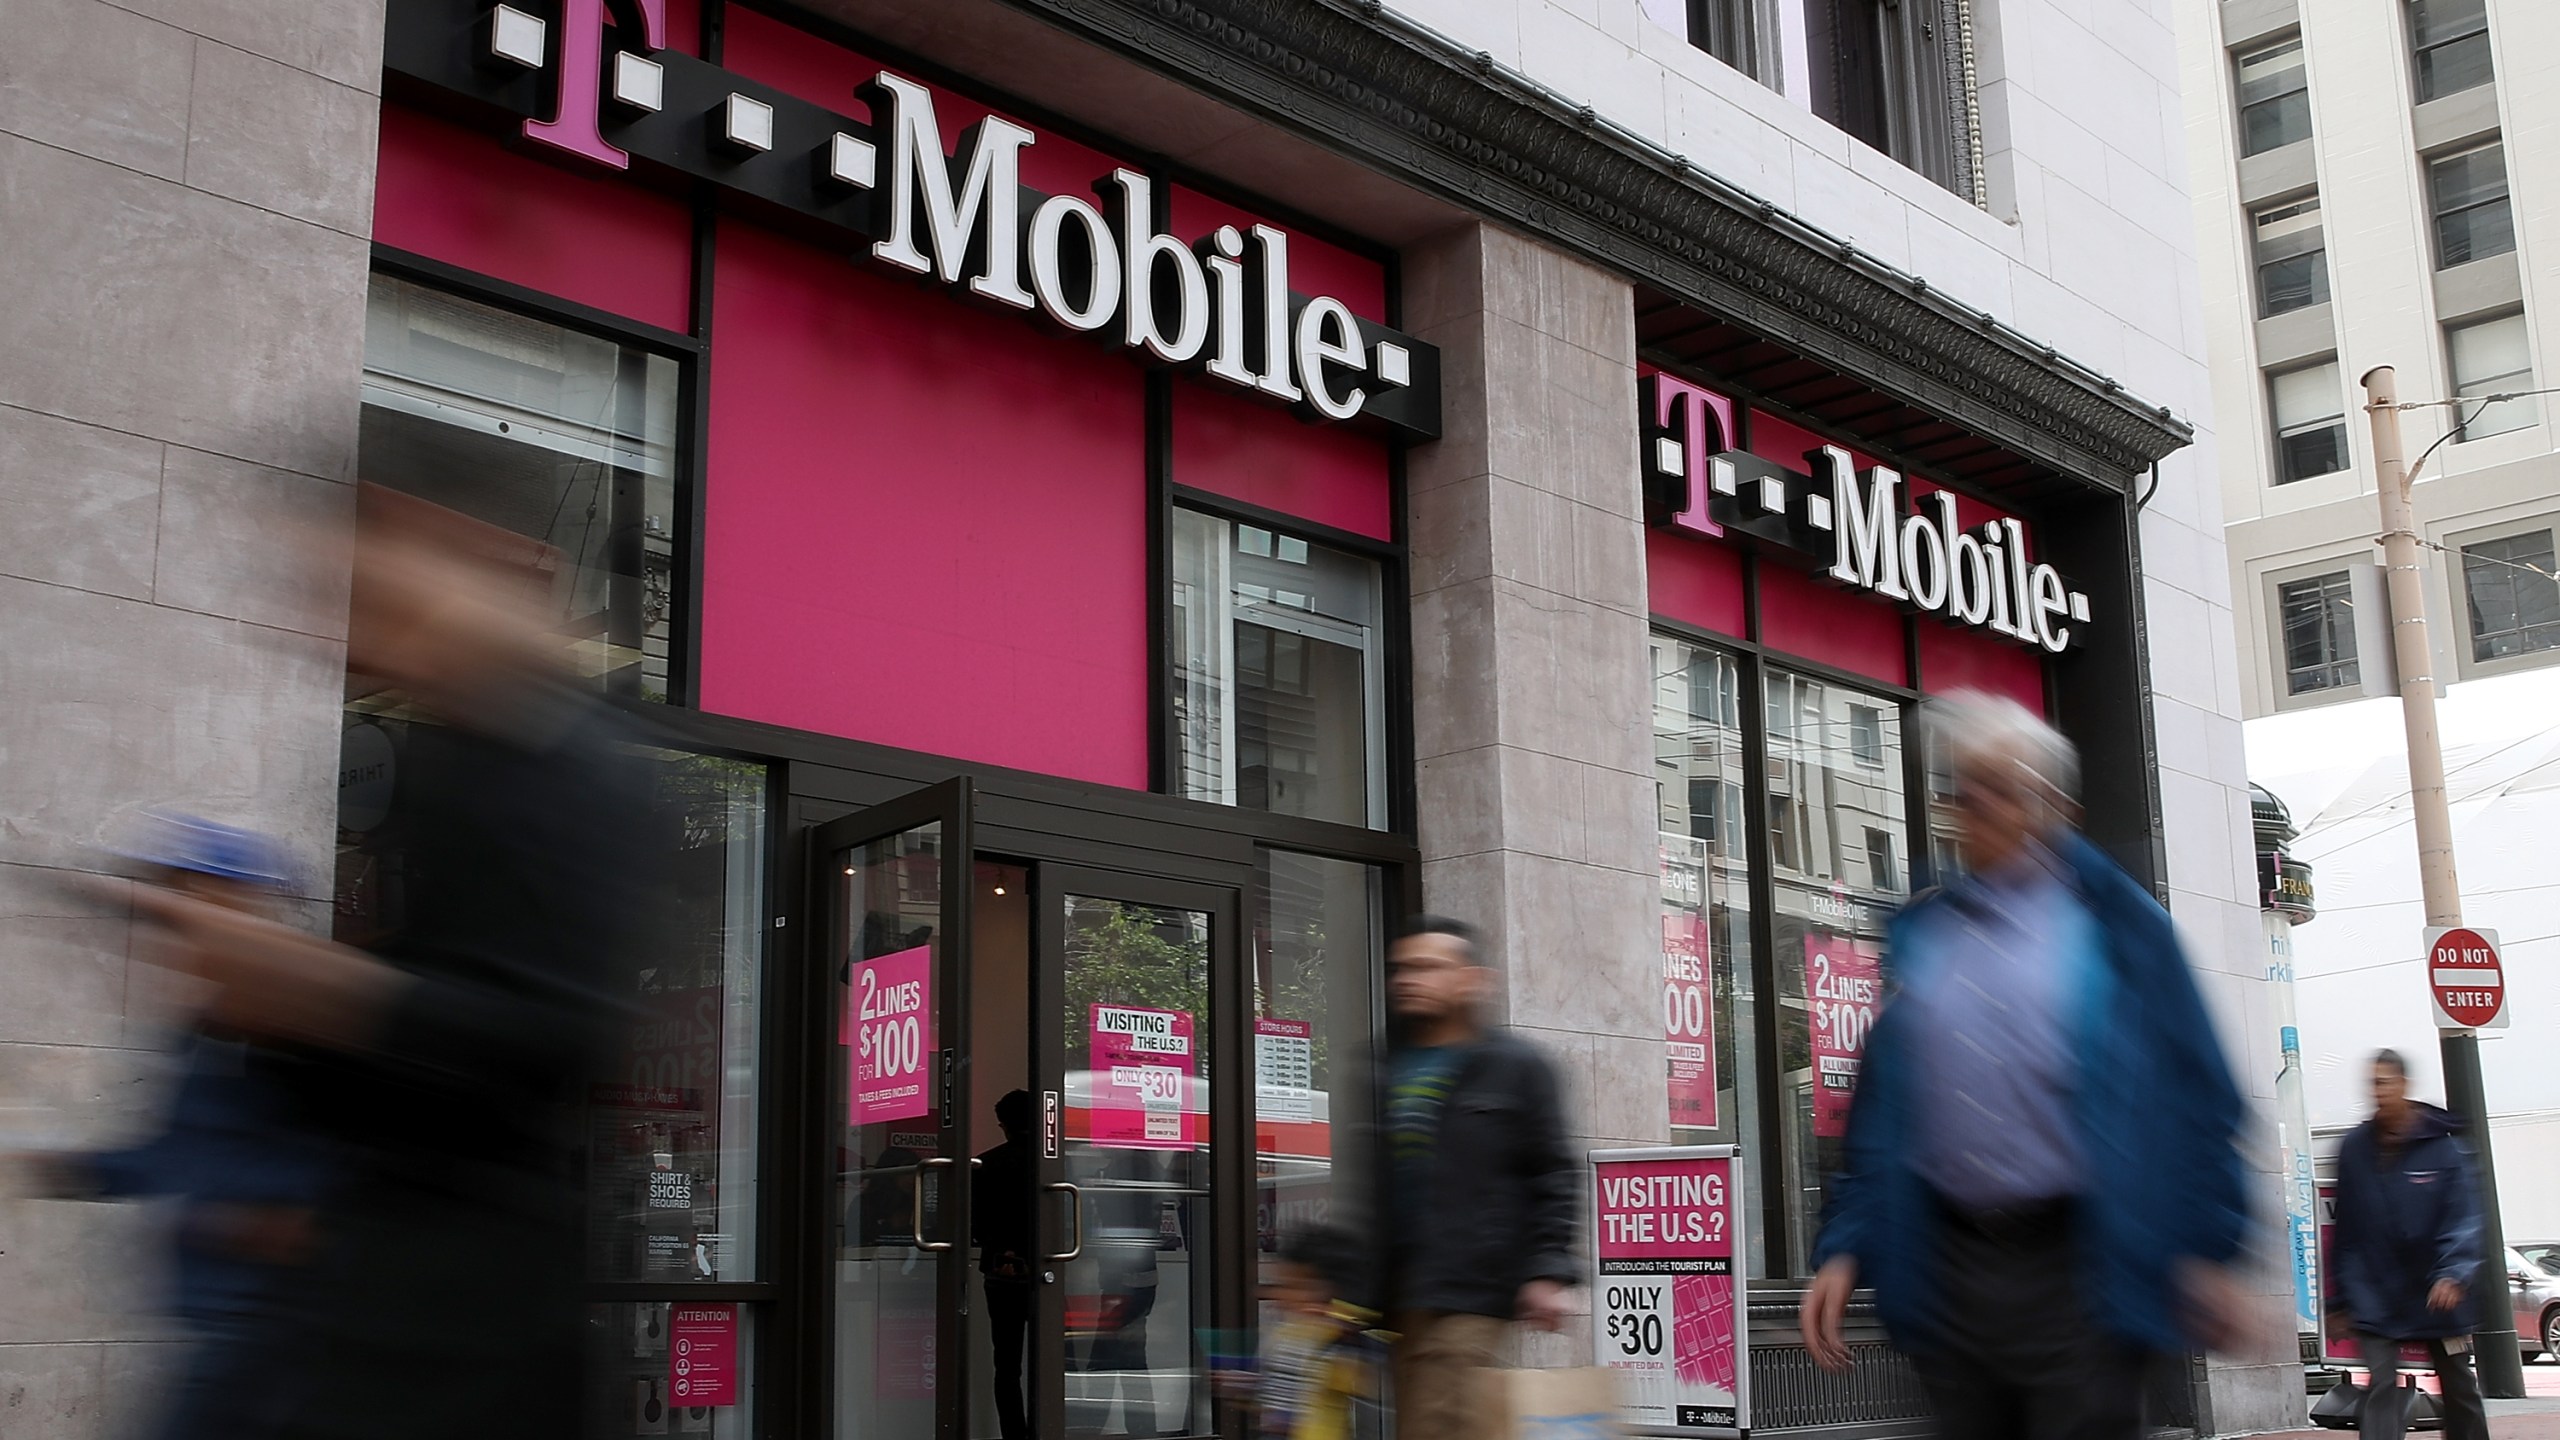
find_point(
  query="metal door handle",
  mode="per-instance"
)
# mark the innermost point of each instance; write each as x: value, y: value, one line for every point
x: 1075, y: 1230
x: 921, y: 1243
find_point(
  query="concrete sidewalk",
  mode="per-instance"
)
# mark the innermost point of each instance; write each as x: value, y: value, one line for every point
x: 2537, y: 1418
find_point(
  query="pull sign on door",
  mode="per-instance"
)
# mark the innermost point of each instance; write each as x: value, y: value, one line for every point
x: 2469, y: 984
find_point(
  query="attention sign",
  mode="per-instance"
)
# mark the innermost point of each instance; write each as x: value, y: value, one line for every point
x: 2469, y: 984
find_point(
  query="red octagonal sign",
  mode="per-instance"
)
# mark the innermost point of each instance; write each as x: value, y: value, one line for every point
x: 2469, y: 985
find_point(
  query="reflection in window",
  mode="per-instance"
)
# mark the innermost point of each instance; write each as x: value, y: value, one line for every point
x: 1318, y: 950
x: 1834, y: 888
x: 1278, y: 693
x: 547, y: 432
x: 2490, y: 358
x: 2319, y: 620
x: 2292, y: 257
x: 2311, y: 422
x: 2275, y: 98
x: 2449, y: 39
x: 2514, y: 601
x: 1713, y: 1088
x: 2467, y: 194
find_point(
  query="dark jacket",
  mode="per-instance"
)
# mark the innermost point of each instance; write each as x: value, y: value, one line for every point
x: 2406, y: 1218
x: 1503, y: 1194
x: 2155, y: 1108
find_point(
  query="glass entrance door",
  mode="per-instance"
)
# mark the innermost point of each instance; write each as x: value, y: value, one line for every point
x: 893, y: 886
x: 1145, y: 1185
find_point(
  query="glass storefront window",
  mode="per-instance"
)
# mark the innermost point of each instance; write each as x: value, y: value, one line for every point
x: 1840, y: 842
x: 1712, y: 1087
x: 1279, y: 681
x: 1317, y: 953
x: 559, y: 436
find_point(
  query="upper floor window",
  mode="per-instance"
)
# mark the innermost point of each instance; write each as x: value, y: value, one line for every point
x: 1278, y: 687
x: 2489, y: 358
x: 2310, y: 420
x: 1866, y: 734
x: 2275, y: 98
x: 2514, y: 601
x: 2449, y: 41
x: 2292, y: 257
x: 565, y: 438
x: 2318, y: 617
x: 2468, y: 196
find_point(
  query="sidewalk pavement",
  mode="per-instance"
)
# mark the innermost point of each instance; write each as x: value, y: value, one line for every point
x: 2533, y: 1419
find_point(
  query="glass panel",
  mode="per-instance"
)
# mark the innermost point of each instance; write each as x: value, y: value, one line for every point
x: 2451, y: 38
x: 2469, y: 192
x: 2490, y: 358
x: 1137, y: 1146
x: 886, y: 1014
x: 2275, y: 105
x: 1319, y: 951
x: 2515, y: 602
x: 1834, y: 889
x: 2320, y: 450
x: 1279, y: 691
x: 2318, y: 616
x: 633, y: 1362
x: 1713, y: 1081
x: 2311, y: 431
x: 552, y: 434
x: 671, y: 1125
x: 1004, y: 1135
x: 2306, y: 397
x: 2293, y: 270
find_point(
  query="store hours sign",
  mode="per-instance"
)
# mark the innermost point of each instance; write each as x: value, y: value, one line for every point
x: 1667, y: 1288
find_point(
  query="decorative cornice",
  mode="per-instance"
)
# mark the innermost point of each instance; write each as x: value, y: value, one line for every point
x: 1359, y: 80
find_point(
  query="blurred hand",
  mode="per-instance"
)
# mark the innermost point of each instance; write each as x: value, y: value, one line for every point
x: 2215, y: 1311
x: 36, y: 1175
x: 2444, y: 1296
x: 1826, y: 1305
x: 1544, y: 1304
x: 274, y: 980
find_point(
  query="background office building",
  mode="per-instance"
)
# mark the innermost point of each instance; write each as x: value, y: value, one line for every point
x: 1395, y: 462
x: 2373, y: 185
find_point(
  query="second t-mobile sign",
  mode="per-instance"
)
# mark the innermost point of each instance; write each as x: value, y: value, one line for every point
x: 1668, y: 1313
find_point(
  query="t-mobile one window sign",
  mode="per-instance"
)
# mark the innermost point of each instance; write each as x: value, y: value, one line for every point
x: 1218, y: 304
x: 702, y: 1354
x: 2466, y: 978
x: 1689, y: 1020
x: 1843, y: 988
x: 1141, y: 1076
x: 1851, y: 525
x: 1669, y: 1228
x: 888, y: 1022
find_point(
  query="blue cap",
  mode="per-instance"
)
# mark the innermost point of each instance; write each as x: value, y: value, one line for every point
x: 202, y: 847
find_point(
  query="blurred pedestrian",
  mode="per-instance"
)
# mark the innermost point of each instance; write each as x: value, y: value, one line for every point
x: 2406, y: 1252
x: 246, y: 1176
x: 445, y: 1295
x: 1003, y: 1221
x: 1482, y: 1203
x: 1319, y: 1358
x: 2041, y: 1182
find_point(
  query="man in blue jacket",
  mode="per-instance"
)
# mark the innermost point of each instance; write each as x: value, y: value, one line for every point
x: 2406, y: 1251
x: 2041, y: 1184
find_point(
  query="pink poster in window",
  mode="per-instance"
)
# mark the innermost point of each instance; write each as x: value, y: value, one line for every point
x: 1142, y: 1079
x: 888, y: 1023
x: 1689, y: 1019
x: 702, y: 1354
x: 1843, y: 986
x: 1669, y: 1229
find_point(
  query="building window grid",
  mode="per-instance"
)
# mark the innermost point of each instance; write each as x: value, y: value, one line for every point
x: 2468, y: 197
x: 2317, y: 616
x: 2292, y: 257
x: 2492, y: 357
x: 2275, y: 97
x: 2514, y: 601
x: 2310, y: 422
x: 2449, y: 47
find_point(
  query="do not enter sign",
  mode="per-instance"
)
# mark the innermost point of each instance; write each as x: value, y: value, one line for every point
x: 2469, y: 985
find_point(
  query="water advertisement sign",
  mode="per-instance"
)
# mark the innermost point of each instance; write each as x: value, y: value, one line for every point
x: 1689, y: 1019
x: 1142, y: 1068
x: 888, y: 1022
x: 1668, y: 1321
x: 702, y: 1354
x: 1843, y: 986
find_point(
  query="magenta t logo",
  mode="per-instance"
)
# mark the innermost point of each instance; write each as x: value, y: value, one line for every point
x: 573, y: 127
x: 1685, y: 426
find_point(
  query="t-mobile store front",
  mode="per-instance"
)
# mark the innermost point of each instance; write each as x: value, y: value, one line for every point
x: 1008, y: 546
